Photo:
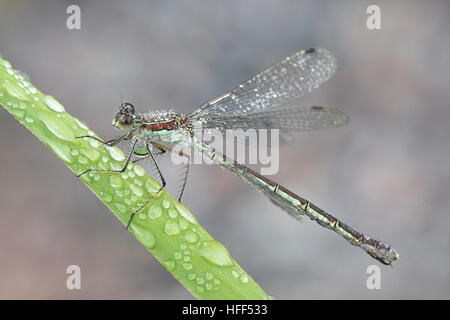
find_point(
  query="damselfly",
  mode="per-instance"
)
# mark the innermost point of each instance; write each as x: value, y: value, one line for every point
x: 252, y: 104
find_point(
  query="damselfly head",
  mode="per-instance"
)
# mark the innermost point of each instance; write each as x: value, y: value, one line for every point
x: 123, y: 119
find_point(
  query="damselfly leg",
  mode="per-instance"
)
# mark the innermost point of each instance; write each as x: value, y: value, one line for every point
x: 109, y: 143
x: 149, y: 154
x: 184, y: 177
x: 111, y: 170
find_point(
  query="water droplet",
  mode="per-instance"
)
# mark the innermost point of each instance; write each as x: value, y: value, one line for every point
x: 171, y: 228
x: 29, y: 120
x: 145, y: 237
x: 187, y: 266
x: 186, y: 259
x: 122, y: 208
x: 209, y: 276
x: 235, y: 273
x: 83, y: 160
x: 215, y: 253
x: 172, y: 212
x: 154, y: 212
x: 56, y: 126
x: 177, y: 255
x: 200, y: 289
x: 115, y: 181
x: 116, y: 154
x: 5, y: 64
x: 62, y: 151
x: 200, y: 280
x: 18, y: 75
x: 93, y: 155
x: 18, y: 113
x: 186, y: 214
x: 136, y: 190
x: 14, y: 90
x: 244, y: 278
x: 106, y: 197
x: 142, y: 216
x: 94, y: 143
x: 208, y: 286
x: 151, y: 187
x: 184, y: 225
x: 138, y: 182
x: 170, y: 265
x: 190, y: 236
x: 191, y: 276
x: 53, y: 104
x: 183, y: 246
x: 119, y: 193
x: 216, y: 281
x: 115, y: 167
x: 139, y: 171
x: 199, y: 244
x: 74, y: 152
x: 166, y: 204
x: 80, y: 124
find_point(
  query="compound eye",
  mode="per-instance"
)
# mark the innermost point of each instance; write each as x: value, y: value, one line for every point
x: 127, y: 108
x: 125, y: 121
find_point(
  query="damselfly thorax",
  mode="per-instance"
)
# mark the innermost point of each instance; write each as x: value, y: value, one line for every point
x: 160, y: 126
x: 254, y: 104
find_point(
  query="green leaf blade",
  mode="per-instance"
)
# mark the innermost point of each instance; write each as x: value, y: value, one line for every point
x: 164, y: 227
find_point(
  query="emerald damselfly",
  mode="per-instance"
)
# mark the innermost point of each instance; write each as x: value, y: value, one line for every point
x: 256, y: 104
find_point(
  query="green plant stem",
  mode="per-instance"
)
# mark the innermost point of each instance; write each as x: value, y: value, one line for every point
x: 165, y: 227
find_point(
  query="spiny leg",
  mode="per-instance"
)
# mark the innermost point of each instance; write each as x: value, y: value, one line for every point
x: 163, y: 182
x: 184, y: 174
x: 150, y: 154
x: 185, y: 177
x: 113, y: 171
x: 109, y: 143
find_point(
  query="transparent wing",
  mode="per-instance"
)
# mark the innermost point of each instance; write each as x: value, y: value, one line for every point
x: 281, y: 83
x: 286, y: 119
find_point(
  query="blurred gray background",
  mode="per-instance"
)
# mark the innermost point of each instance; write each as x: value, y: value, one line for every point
x: 386, y: 173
